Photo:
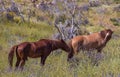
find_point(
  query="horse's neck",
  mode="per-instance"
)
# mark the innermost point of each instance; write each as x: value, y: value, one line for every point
x: 56, y: 45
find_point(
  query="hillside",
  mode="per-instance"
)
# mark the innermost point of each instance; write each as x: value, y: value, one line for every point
x: 40, y: 24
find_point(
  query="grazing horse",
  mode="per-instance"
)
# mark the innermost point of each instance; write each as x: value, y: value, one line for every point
x: 89, y: 42
x: 41, y: 48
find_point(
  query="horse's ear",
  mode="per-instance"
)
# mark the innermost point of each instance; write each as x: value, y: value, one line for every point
x: 110, y: 31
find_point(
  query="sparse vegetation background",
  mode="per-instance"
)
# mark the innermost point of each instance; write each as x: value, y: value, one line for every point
x: 31, y: 20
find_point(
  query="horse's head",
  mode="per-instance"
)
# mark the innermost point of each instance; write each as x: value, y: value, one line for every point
x: 64, y: 46
x: 106, y: 34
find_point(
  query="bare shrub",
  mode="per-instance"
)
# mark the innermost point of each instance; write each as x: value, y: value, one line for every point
x: 94, y: 3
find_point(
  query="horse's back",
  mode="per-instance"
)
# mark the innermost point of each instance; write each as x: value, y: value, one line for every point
x: 77, y: 38
x: 86, y: 41
x: 24, y: 47
x: 24, y: 44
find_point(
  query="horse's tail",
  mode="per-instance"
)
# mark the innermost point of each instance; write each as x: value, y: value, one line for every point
x: 11, y: 55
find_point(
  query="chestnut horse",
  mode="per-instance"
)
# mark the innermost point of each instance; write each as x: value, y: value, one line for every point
x: 89, y: 42
x: 41, y: 48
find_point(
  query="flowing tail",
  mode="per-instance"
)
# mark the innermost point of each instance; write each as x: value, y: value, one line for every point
x: 11, y: 55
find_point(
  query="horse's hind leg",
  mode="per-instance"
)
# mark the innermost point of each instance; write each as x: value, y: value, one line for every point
x: 70, y: 55
x: 18, y: 61
x: 22, y: 63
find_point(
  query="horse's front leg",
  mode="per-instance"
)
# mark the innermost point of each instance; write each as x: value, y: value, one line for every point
x: 43, y: 58
x: 98, y: 57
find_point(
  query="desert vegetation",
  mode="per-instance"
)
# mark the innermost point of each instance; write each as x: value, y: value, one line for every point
x: 32, y: 20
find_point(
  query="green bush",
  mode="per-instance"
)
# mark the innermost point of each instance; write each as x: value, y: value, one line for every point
x: 115, y: 21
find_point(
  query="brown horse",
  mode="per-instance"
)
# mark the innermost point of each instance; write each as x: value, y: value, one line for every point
x: 89, y: 42
x: 41, y: 48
